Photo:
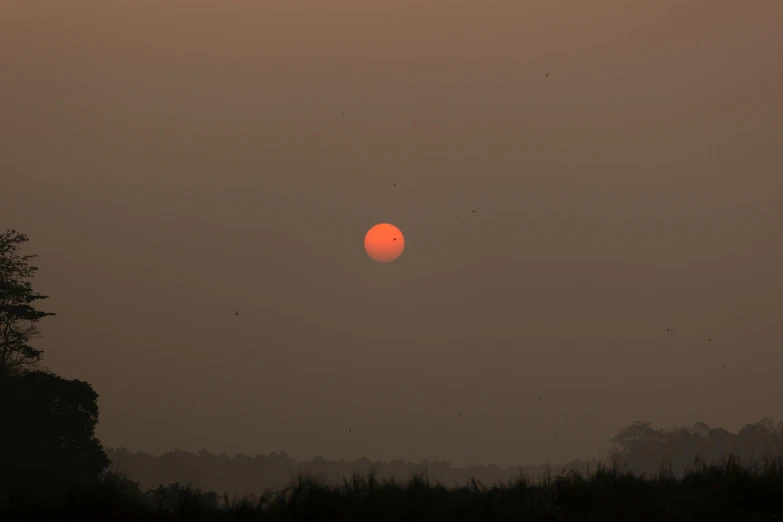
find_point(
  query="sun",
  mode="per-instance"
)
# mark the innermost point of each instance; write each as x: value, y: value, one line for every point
x: 384, y: 243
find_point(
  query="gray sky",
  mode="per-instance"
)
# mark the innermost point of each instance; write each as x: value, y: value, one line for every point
x: 173, y: 162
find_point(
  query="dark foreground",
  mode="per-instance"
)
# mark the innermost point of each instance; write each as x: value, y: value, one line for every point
x: 725, y: 491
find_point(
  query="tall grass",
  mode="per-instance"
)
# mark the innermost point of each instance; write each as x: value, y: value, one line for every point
x: 725, y: 490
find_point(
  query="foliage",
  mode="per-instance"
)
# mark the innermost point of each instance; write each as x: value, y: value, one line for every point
x: 643, y: 449
x: 18, y: 316
x: 48, y: 433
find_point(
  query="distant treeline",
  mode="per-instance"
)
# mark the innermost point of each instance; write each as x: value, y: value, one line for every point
x: 643, y: 449
x: 638, y: 448
x: 243, y: 474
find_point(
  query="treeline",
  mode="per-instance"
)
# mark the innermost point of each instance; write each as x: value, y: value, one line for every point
x: 638, y: 448
x: 242, y: 474
x: 643, y: 449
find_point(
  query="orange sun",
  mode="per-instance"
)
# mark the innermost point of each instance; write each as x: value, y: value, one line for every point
x: 384, y: 243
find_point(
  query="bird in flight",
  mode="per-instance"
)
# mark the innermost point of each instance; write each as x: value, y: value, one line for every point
x: 546, y: 75
x: 236, y: 313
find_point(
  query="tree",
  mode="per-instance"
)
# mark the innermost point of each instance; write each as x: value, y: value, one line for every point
x: 638, y: 447
x: 47, y: 440
x: 18, y: 317
x: 641, y: 448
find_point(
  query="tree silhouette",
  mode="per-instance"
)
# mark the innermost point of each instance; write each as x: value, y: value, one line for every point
x: 18, y: 316
x: 48, y: 435
x: 642, y: 449
x: 47, y: 423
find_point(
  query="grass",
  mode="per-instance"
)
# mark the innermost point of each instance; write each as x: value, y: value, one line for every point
x: 722, y: 491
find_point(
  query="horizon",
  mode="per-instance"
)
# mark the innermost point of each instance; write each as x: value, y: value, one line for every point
x: 590, y: 197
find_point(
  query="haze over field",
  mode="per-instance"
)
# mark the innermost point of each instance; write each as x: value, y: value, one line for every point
x: 177, y: 162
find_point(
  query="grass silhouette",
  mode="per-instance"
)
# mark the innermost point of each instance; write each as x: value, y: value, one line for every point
x: 725, y: 490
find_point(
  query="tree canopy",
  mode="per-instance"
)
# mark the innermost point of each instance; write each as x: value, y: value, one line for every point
x: 47, y: 423
x: 48, y: 433
x: 18, y: 315
x: 643, y: 449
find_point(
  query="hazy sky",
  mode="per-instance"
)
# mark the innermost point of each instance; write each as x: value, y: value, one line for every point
x: 174, y: 162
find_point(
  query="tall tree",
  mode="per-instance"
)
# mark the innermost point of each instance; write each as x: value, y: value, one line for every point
x: 18, y: 315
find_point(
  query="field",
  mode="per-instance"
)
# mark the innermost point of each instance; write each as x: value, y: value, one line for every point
x: 720, y: 491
